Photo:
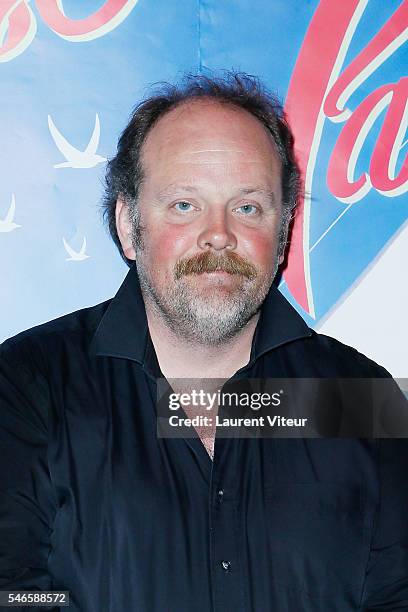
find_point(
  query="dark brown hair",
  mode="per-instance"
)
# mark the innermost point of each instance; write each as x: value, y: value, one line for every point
x: 124, y: 172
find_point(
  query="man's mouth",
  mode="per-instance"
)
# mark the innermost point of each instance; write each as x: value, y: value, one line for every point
x: 217, y: 274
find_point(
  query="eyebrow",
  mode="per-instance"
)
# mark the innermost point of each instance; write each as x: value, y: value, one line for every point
x: 173, y: 190
x: 259, y: 190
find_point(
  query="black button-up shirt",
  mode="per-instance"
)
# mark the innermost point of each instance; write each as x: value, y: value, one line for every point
x: 93, y: 502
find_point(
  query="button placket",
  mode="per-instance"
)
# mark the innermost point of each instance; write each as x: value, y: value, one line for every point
x: 227, y: 575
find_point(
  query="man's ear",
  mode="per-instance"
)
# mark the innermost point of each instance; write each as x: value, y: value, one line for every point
x: 283, y: 236
x: 124, y: 227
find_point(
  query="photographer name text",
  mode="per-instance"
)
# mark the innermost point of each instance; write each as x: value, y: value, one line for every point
x: 208, y: 421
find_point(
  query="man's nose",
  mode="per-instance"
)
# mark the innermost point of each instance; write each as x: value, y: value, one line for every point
x: 217, y: 233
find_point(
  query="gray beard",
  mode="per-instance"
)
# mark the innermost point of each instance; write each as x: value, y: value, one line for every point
x: 210, y: 319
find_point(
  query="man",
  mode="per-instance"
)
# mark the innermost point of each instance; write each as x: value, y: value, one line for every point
x: 199, y: 196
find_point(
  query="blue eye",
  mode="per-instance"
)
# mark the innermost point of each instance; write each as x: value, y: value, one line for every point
x: 248, y: 209
x: 183, y: 206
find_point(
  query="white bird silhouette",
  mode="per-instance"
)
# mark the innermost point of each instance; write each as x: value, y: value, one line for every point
x: 75, y: 255
x: 76, y: 158
x: 7, y: 224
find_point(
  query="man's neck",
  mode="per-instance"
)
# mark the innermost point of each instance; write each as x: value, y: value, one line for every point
x: 180, y: 358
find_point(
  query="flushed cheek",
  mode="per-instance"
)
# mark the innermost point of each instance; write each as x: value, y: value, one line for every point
x: 260, y: 250
x: 169, y: 247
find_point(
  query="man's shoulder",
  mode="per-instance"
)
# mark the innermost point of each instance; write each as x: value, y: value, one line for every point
x: 77, y: 327
x: 342, y: 359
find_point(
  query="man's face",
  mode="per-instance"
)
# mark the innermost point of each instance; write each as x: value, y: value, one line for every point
x: 209, y: 213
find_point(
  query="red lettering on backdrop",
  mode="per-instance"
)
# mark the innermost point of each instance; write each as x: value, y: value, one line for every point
x: 389, y: 142
x: 308, y: 102
x: 307, y: 89
x: 385, y: 42
x: 340, y: 174
x: 64, y: 26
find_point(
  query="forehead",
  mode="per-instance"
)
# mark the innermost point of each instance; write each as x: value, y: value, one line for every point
x: 208, y: 133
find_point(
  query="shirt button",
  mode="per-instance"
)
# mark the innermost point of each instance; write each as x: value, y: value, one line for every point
x: 220, y: 494
x: 226, y: 565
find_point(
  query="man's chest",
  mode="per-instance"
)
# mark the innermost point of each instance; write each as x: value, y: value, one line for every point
x: 291, y: 515
x: 278, y: 510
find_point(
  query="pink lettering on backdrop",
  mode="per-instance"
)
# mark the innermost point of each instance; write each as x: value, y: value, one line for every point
x: 390, y: 37
x: 18, y: 25
x: 382, y: 170
x: 317, y: 91
x: 318, y: 65
x: 389, y: 144
x: 18, y: 22
x: 102, y: 21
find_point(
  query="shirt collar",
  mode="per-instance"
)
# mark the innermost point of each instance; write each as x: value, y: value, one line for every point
x: 123, y: 330
x: 279, y: 323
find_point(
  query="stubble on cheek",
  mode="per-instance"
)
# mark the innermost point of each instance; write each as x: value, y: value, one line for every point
x: 138, y: 234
